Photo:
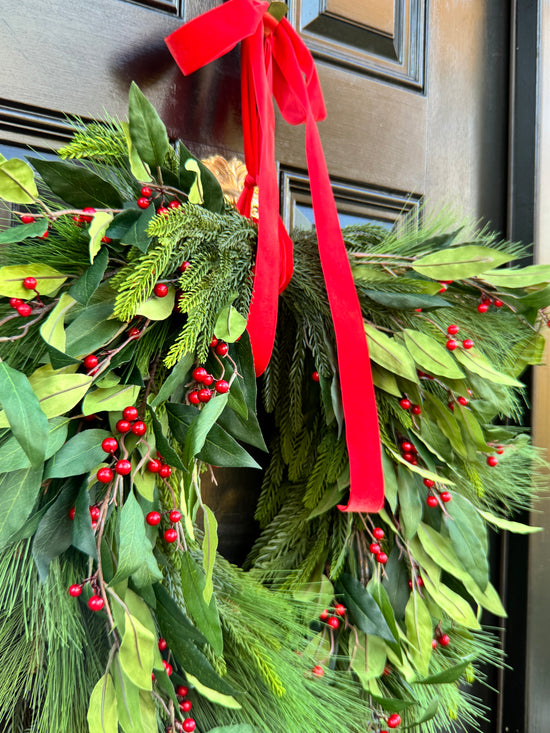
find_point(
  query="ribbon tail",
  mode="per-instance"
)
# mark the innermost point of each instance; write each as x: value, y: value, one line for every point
x: 360, y: 412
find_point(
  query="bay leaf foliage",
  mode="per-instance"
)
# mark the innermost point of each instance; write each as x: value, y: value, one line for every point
x: 130, y: 377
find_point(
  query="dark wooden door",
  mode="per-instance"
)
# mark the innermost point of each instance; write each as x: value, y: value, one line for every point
x: 417, y: 100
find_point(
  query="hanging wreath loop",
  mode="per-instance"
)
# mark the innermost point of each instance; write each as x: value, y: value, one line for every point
x: 276, y: 63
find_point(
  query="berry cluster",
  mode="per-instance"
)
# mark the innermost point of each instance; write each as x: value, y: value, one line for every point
x: 22, y: 307
x: 153, y: 519
x: 332, y: 620
x: 406, y: 404
x: 487, y: 301
x: 452, y: 343
x: 440, y: 639
x: 433, y: 500
x: 147, y: 197
x: 129, y: 422
x: 95, y: 601
x: 408, y: 452
x: 200, y: 392
x: 95, y: 513
x: 375, y: 546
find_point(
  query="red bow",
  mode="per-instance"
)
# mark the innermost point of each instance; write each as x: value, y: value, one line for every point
x: 276, y: 63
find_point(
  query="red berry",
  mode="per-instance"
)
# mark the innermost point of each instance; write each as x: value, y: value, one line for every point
x: 318, y: 671
x: 394, y: 720
x: 378, y: 532
x: 199, y: 373
x: 193, y: 397
x: 416, y: 410
x: 139, y: 428
x: 444, y: 640
x: 165, y: 471
x: 15, y: 302
x: 145, y: 191
x: 324, y: 615
x: 29, y: 283
x: 104, y: 475
x: 375, y: 548
x: 24, y: 310
x: 222, y: 386
x: 168, y: 667
x: 315, y: 376
x: 409, y: 457
x: 207, y: 381
x: 160, y: 290
x: 451, y: 406
x: 445, y: 496
x: 134, y: 333
x: 162, y: 644
x: 213, y: 343
x: 468, y: 344
x: 492, y: 460
x: 106, y: 240
x: 184, y: 266
x: 123, y: 467
x: 174, y: 516
x: 204, y: 395
x: 429, y: 483
x: 95, y: 513
x: 45, y: 235
x: 75, y: 590
x: 175, y: 204
x: 154, y: 466
x: 109, y: 445
x: 88, y: 210
x: 91, y: 361
x: 221, y: 348
x: 405, y: 403
x: 170, y: 535
x: 500, y: 450
x: 434, y: 643
x: 162, y: 210
x: 72, y: 512
x: 186, y: 706
x: 340, y: 609
x: 182, y: 691
x: 451, y: 344
x: 333, y: 622
x: 462, y: 401
x: 130, y: 412
x: 27, y: 219
x: 143, y: 202
x: 483, y: 307
x: 123, y: 426
x: 431, y: 501
x: 153, y: 518
x: 95, y: 603
x: 407, y: 447
x: 498, y: 303
x: 188, y: 725
x: 453, y: 329
x: 382, y: 558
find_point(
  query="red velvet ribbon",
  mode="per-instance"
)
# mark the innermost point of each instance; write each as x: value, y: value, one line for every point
x: 276, y: 63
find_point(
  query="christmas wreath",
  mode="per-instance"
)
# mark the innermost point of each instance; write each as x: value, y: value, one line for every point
x: 127, y: 373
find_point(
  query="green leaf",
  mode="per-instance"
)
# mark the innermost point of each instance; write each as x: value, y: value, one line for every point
x: 136, y: 235
x: 127, y: 697
x: 362, y: 608
x: 382, y: 598
x: 197, y: 665
x: 48, y: 280
x: 204, y: 613
x: 479, y: 364
x: 89, y: 281
x: 163, y: 446
x: 430, y: 355
x: 123, y: 222
x: 79, y: 455
x: 18, y: 494
x: 524, y: 277
x: 419, y: 627
x: 102, y: 710
x: 134, y: 545
x: 472, y: 434
x: 147, y: 131
x: 157, y: 309
x: 173, y: 622
x: 368, y: 656
x: 506, y: 524
x: 238, y: 728
x: 209, y: 548
x: 458, y: 263
x: 139, y: 171
x: 383, y: 379
x: 229, y: 324
x: 452, y: 674
x: 469, y: 538
x: 52, y: 329
x: 96, y: 231
x: 226, y: 701
x: 195, y: 192
x: 410, y: 501
x: 13, y: 457
x: 211, y: 189
x: 83, y: 537
x: 451, y: 603
x: 57, y: 394
x: 429, y: 712
x: 136, y: 653
x: 77, y: 185
x: 17, y: 183
x: 445, y: 421
x: 54, y: 533
x: 110, y: 399
x: 91, y: 330
x: 201, y: 425
x: 23, y: 231
x: 390, y: 354
x: 535, y: 299
x: 405, y: 301
x: 219, y: 449
x: 396, y: 583
x: 23, y: 413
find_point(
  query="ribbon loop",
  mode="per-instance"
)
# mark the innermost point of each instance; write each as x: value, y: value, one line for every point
x: 275, y: 63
